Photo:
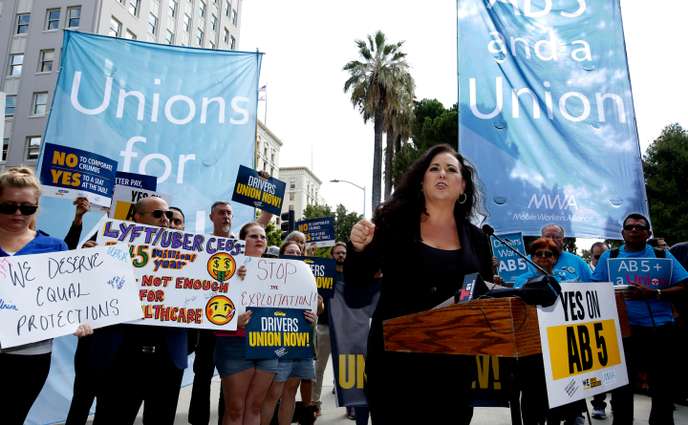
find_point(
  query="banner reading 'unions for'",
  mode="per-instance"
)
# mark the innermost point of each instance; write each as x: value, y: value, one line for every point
x: 546, y: 114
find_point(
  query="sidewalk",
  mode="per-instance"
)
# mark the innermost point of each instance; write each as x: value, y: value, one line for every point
x: 332, y: 415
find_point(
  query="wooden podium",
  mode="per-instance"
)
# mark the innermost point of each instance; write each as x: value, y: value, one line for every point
x: 505, y: 327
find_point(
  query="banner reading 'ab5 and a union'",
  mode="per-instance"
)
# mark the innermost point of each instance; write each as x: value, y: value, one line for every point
x: 546, y: 114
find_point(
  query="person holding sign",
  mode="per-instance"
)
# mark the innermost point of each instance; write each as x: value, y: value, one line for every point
x: 245, y: 382
x: 424, y: 243
x: 651, y: 343
x: 24, y: 368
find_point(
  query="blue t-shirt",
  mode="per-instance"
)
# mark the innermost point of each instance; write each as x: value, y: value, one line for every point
x: 638, y: 312
x: 41, y: 244
x: 568, y: 268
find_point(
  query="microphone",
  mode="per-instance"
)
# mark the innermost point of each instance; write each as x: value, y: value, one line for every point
x: 540, y: 290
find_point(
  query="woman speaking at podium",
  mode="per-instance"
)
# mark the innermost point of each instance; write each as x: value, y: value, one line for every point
x: 424, y: 244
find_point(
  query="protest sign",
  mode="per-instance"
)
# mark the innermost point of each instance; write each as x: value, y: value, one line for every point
x: 135, y: 102
x: 510, y: 264
x: 70, y: 173
x: 581, y: 343
x: 652, y: 273
x: 318, y: 231
x: 325, y: 273
x: 184, y: 279
x: 125, y: 198
x: 546, y: 114
x: 256, y: 191
x: 139, y: 181
x: 278, y: 333
x: 48, y: 295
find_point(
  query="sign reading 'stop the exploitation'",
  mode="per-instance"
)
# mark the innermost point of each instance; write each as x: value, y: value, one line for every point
x: 581, y: 343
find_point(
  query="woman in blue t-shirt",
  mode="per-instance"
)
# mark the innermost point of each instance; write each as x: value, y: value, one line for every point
x: 25, y: 367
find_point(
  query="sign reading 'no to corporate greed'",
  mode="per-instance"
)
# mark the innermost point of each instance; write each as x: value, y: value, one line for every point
x: 581, y: 343
x: 256, y: 191
x: 69, y: 173
x: 48, y: 295
x: 191, y: 280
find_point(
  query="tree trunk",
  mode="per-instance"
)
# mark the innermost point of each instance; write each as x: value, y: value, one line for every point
x: 377, y: 158
x: 389, y: 157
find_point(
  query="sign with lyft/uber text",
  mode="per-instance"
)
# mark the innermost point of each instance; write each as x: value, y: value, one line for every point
x: 256, y: 191
x: 581, y: 343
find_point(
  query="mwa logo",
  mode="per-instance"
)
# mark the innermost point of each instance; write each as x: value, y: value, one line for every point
x: 559, y: 201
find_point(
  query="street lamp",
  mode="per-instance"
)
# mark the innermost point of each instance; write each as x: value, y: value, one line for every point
x: 354, y: 184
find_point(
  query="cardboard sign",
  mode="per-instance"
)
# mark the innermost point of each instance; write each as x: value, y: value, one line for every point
x: 581, y: 343
x: 318, y: 231
x: 70, y: 173
x: 653, y: 273
x: 252, y: 189
x: 48, y: 295
x: 279, y: 333
x: 184, y: 279
x: 510, y: 264
x: 325, y: 272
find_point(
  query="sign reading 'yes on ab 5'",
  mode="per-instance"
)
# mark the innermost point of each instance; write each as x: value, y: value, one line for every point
x: 256, y: 191
x: 581, y: 343
x: 186, y: 116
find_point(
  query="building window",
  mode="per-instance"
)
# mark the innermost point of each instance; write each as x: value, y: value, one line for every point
x: 152, y: 23
x: 169, y: 37
x: 172, y: 7
x: 33, y: 147
x: 133, y: 6
x: 73, y: 16
x: 23, y: 20
x: 130, y: 35
x: 187, y: 22
x: 45, y: 60
x: 39, y: 104
x: 10, y: 105
x: 235, y: 17
x: 228, y: 8
x: 291, y: 196
x: 201, y: 8
x: 232, y: 44
x: 292, y: 183
x: 16, y: 63
x: 5, y: 148
x: 52, y: 19
x: 199, y: 37
x: 115, y: 27
x: 213, y: 22
x: 226, y: 37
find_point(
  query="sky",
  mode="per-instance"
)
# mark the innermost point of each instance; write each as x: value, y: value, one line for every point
x: 307, y: 42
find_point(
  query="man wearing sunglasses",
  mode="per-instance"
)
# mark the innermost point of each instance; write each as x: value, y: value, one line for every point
x: 651, y: 344
x: 149, y: 360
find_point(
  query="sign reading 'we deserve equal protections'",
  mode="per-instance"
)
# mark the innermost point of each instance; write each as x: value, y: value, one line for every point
x: 48, y: 295
x: 192, y: 280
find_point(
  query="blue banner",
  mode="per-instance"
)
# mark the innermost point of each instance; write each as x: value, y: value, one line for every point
x: 69, y: 173
x: 186, y: 116
x: 137, y: 181
x: 546, y: 114
x: 653, y: 273
x: 278, y: 333
x: 252, y: 189
x: 510, y: 264
x: 318, y: 231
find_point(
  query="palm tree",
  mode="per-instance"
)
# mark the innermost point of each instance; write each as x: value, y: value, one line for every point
x: 399, y: 119
x: 375, y: 82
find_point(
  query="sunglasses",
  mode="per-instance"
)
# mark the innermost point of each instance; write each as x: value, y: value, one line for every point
x: 159, y: 213
x: 24, y: 209
x: 543, y: 254
x: 638, y: 227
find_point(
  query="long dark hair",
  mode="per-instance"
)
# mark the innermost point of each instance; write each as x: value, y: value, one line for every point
x: 407, y: 201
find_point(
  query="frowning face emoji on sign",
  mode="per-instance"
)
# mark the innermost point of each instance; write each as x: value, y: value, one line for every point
x: 221, y: 266
x: 219, y: 310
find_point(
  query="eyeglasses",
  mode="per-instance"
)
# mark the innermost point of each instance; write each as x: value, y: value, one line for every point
x: 638, y: 227
x: 24, y: 209
x: 159, y: 213
x: 543, y: 254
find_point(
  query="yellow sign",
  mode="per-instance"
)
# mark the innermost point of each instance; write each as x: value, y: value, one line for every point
x: 582, y: 347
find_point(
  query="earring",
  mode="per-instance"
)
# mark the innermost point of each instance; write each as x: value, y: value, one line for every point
x: 462, y: 201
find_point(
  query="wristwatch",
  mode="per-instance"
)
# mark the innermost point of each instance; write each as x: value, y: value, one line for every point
x: 658, y: 294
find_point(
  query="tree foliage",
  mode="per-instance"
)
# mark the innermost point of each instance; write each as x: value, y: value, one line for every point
x: 666, y: 173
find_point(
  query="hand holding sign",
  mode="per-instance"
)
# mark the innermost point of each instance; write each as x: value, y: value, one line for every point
x: 362, y: 234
